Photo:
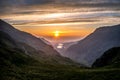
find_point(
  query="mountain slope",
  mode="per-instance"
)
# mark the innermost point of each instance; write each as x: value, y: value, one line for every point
x: 11, y: 58
x: 111, y: 58
x: 34, y: 46
x: 94, y: 45
x: 27, y: 38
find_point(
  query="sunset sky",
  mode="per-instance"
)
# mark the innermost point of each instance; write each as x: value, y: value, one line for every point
x: 62, y: 20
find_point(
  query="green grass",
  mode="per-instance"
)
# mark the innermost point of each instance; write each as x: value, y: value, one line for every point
x: 17, y: 66
x: 53, y: 73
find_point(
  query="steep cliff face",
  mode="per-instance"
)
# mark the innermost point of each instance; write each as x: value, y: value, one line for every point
x: 94, y: 45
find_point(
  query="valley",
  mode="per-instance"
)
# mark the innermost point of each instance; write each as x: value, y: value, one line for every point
x: 20, y: 60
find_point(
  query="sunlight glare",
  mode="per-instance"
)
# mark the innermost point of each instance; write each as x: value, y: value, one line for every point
x: 57, y: 33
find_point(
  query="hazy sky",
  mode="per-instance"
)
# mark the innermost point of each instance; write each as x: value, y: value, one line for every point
x: 74, y: 19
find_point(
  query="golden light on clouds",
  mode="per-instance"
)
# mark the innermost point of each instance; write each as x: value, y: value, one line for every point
x: 59, y: 32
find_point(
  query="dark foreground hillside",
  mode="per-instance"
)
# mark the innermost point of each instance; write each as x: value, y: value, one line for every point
x: 16, y: 65
x: 110, y: 58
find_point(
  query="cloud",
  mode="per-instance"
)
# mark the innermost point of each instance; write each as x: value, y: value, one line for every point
x: 75, y: 11
x: 46, y: 6
x: 6, y: 3
x: 64, y: 3
x: 9, y: 6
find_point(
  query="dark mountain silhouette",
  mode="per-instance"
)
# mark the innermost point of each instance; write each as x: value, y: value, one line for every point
x: 111, y: 58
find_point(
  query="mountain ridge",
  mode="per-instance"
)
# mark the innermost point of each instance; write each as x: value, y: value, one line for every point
x: 24, y: 37
x: 94, y: 45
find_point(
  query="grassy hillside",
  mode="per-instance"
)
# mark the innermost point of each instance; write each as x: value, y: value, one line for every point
x: 16, y: 65
x: 21, y: 67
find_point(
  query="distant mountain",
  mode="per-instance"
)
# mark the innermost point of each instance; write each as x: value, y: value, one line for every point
x: 110, y: 58
x: 94, y: 45
x: 68, y: 44
x: 33, y: 46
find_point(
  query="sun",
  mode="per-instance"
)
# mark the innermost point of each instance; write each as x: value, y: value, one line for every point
x: 57, y: 33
